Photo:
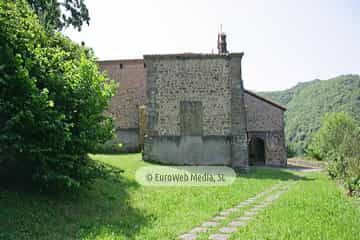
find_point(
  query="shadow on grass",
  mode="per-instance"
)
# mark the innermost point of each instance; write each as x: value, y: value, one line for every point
x: 274, y: 173
x: 104, y: 210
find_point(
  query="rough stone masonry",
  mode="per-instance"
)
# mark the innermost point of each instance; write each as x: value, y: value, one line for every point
x: 197, y: 111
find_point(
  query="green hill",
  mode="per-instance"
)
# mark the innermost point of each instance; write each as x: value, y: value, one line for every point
x: 308, y: 102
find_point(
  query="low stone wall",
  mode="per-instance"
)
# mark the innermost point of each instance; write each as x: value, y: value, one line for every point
x: 188, y: 150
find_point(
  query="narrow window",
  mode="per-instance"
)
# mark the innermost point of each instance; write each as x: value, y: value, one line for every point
x: 121, y: 66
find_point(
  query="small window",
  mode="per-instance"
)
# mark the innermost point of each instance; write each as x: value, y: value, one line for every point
x: 121, y: 66
x: 144, y: 65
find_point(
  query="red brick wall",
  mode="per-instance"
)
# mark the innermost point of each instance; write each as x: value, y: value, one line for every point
x: 131, y: 92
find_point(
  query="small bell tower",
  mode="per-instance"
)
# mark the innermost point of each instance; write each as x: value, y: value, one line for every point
x: 221, y: 42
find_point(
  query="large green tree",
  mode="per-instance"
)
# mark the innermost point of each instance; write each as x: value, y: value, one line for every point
x: 56, y: 14
x: 52, y: 99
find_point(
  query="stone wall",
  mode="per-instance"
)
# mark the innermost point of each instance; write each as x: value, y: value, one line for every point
x: 131, y: 93
x: 188, y: 150
x: 262, y: 115
x: 275, y: 151
x: 239, y: 148
x: 203, y: 90
x: 265, y: 120
x: 196, y: 78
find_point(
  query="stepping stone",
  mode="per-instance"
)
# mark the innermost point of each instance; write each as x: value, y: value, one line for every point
x: 242, y: 204
x: 233, y: 210
x: 199, y: 230
x: 225, y: 213
x: 219, y: 237
x: 209, y: 224
x: 244, y: 218
x: 236, y: 223
x: 261, y: 205
x: 188, y: 236
x: 250, y: 214
x: 228, y: 229
x: 219, y: 218
x: 258, y: 208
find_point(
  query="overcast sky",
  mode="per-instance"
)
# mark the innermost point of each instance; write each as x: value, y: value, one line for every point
x: 284, y: 41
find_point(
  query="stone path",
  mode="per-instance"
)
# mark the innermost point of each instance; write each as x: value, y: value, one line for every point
x: 217, y: 222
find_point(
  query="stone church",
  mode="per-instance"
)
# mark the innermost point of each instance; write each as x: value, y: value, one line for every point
x: 192, y: 109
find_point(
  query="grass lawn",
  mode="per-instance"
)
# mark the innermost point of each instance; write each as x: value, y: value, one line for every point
x: 314, y: 208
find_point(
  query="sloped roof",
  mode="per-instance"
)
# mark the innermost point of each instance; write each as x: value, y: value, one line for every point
x: 265, y: 100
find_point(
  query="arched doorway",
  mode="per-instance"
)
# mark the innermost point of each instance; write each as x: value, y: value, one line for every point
x: 257, y: 151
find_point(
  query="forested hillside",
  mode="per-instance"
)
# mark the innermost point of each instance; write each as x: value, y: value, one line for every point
x: 308, y: 102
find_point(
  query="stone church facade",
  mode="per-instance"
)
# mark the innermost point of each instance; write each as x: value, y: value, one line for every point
x: 197, y: 111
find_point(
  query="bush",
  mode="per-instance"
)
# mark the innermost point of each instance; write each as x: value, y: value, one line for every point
x: 52, y: 102
x: 290, y: 151
x: 334, y: 137
x: 116, y: 148
x: 338, y: 142
x: 109, y: 148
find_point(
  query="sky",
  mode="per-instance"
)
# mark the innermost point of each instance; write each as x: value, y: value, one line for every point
x: 284, y: 41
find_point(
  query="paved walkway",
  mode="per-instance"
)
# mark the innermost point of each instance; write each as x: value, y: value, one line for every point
x: 221, y: 226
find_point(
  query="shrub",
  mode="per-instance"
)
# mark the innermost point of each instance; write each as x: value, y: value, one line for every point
x: 116, y: 148
x: 290, y: 151
x: 52, y: 102
x: 336, y: 133
x: 338, y: 142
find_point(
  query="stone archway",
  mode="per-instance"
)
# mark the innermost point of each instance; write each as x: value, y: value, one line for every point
x: 256, y: 151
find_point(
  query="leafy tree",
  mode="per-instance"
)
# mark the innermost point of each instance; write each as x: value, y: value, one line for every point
x: 337, y: 141
x: 52, y: 99
x: 56, y: 14
x: 332, y: 136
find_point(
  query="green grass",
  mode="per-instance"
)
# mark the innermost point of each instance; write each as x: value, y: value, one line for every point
x: 126, y: 210
x: 312, y: 209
